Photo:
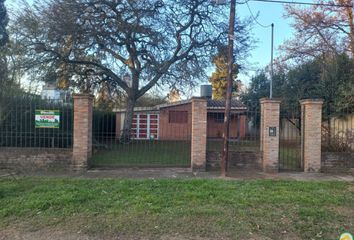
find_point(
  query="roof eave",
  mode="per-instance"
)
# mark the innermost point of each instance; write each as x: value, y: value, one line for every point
x: 222, y: 108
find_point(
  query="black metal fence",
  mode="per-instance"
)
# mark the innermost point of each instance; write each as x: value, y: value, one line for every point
x: 28, y: 121
x: 156, y: 139
x: 337, y: 138
x: 244, y: 137
x: 338, y: 129
x: 290, y: 137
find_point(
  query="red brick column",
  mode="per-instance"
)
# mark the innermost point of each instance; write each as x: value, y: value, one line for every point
x: 82, y: 147
x: 311, y: 120
x: 270, y: 109
x: 199, y: 134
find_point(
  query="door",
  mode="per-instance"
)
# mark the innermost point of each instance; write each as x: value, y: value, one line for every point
x: 145, y: 126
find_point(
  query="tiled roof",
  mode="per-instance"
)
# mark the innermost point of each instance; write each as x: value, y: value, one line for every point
x: 220, y: 104
x: 164, y: 105
x: 155, y: 108
x: 212, y: 104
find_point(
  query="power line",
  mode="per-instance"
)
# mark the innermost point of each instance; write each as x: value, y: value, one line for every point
x: 303, y: 3
x: 288, y: 2
x: 272, y: 48
x: 255, y: 19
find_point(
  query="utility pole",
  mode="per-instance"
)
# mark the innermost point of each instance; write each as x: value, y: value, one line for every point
x: 225, y: 153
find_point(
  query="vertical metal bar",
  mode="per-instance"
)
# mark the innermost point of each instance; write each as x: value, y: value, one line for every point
x: 16, y: 126
x: 281, y: 150
x: 27, y: 120
x: 61, y: 130
x: 63, y: 124
x: 31, y: 123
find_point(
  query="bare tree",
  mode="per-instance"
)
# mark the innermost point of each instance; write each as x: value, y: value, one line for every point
x: 156, y: 42
x: 321, y: 29
x: 4, y: 37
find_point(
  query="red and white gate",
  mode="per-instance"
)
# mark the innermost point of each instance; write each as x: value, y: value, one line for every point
x: 145, y: 126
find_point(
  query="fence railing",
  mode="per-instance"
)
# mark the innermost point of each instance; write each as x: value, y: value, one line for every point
x: 338, y: 130
x: 244, y: 137
x: 154, y: 139
x: 28, y: 121
x: 244, y: 131
x: 337, y: 139
x: 290, y: 137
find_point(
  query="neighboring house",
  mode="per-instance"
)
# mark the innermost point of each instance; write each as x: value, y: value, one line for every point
x: 50, y: 91
x: 172, y: 121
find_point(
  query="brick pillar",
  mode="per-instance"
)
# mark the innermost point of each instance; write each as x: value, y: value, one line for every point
x: 311, y: 119
x: 82, y: 147
x: 199, y: 134
x: 269, y: 134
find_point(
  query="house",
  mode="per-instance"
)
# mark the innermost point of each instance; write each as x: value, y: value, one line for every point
x: 50, y: 91
x: 173, y: 121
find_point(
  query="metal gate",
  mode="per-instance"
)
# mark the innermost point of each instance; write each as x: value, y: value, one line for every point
x: 290, y: 138
x: 244, y: 140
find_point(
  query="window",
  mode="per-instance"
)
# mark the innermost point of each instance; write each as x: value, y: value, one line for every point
x: 219, y: 117
x: 177, y: 116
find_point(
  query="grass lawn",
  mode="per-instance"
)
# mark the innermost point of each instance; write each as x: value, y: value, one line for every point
x: 290, y: 155
x: 290, y: 158
x: 176, y: 153
x: 144, y: 153
x: 210, y: 209
x: 234, y: 145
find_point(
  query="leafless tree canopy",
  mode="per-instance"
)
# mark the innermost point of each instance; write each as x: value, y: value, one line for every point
x: 152, y: 40
x: 321, y: 29
x: 84, y: 43
x: 3, y: 23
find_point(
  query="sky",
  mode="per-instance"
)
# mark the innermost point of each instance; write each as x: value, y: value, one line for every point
x: 267, y: 13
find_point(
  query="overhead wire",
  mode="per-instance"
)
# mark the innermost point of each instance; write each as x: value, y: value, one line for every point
x: 255, y: 19
x: 289, y: 2
x: 301, y: 3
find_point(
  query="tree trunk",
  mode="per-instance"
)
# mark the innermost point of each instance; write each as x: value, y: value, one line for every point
x: 129, y: 113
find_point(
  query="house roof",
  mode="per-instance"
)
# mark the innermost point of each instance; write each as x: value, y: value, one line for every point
x: 211, y: 104
x: 220, y: 104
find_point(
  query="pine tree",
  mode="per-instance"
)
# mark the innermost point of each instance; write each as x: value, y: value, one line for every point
x: 218, y: 77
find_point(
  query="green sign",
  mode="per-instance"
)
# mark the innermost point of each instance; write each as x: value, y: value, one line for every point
x: 47, y: 118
